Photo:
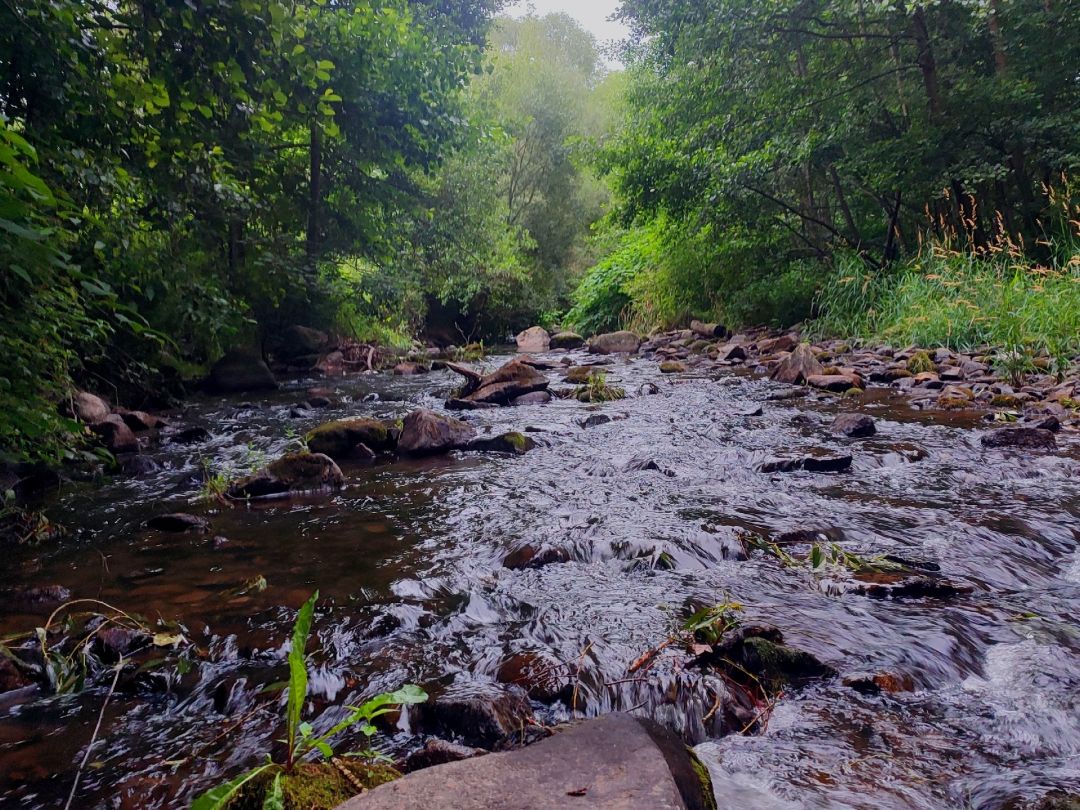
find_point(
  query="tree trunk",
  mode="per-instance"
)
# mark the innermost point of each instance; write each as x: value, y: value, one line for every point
x: 925, y: 60
x: 315, y: 192
x: 997, y: 39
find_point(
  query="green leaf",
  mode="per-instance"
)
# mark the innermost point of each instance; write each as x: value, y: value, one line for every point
x: 275, y: 795
x: 219, y: 797
x: 298, y: 679
x: 817, y: 557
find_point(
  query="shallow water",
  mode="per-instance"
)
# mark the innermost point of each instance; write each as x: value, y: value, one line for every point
x: 408, y: 562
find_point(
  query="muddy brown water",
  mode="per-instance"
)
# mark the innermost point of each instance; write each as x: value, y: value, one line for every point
x: 408, y: 561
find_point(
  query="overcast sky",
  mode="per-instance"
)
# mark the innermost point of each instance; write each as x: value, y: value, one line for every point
x: 592, y: 14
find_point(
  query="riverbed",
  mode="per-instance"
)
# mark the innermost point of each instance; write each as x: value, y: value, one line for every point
x: 409, y: 564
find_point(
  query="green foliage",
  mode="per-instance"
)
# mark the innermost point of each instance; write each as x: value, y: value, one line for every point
x: 711, y: 623
x: 597, y: 390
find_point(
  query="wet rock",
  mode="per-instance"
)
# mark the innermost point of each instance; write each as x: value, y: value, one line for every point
x: 12, y: 676
x: 240, y: 370
x: 27, y: 479
x: 179, y: 522
x: 512, y: 380
x: 140, y: 421
x: 783, y: 343
x: 483, y: 715
x: 756, y: 655
x: 622, y: 342
x: 730, y: 352
x: 426, y: 432
x: 113, y: 643
x: 191, y: 435
x: 1027, y: 438
x: 646, y: 464
x: 530, y: 556
x: 294, y: 473
x: 579, y: 375
x: 409, y: 368
x: 614, y: 762
x: 440, y: 752
x: 32, y: 599
x: 798, y: 366
x: 331, y: 364
x: 854, y: 425
x: 299, y: 341
x: 340, y: 439
x: 892, y: 586
x: 541, y: 675
x: 874, y: 683
x: 137, y: 465
x: 567, y: 340
x: 672, y: 367
x: 533, y: 339
x: 751, y: 410
x: 783, y: 396
x: 1051, y: 423
x: 115, y: 435
x: 532, y: 398
x: 816, y: 463
x: 595, y: 420
x: 89, y: 408
x: 513, y: 442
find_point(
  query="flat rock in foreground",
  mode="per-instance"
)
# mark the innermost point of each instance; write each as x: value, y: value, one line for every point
x: 615, y: 762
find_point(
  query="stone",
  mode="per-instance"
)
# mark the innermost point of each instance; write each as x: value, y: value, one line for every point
x: 533, y: 339
x: 541, y: 675
x: 595, y: 420
x: 783, y: 343
x: 1028, y: 438
x: 293, y: 473
x: 579, y: 375
x: 238, y: 371
x: 140, y: 421
x: 89, y: 408
x: 12, y: 677
x: 112, y: 643
x: 409, y: 368
x: 331, y: 364
x: 440, y: 752
x: 798, y: 366
x: 532, y: 398
x: 529, y: 556
x: 614, y: 762
x: 425, y: 432
x: 179, y: 522
x: 190, y: 435
x: 567, y: 340
x: 513, y: 442
x: 479, y: 714
x: 340, y: 439
x: 815, y: 463
x: 299, y: 341
x: 116, y: 436
x: 672, y: 367
x: 874, y: 683
x: 1049, y: 422
x: 621, y: 342
x: 854, y: 425
x: 730, y: 352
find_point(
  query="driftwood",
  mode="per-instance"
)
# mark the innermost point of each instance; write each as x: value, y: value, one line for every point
x: 472, y: 377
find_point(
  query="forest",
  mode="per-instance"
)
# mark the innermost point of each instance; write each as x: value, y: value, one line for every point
x: 426, y: 403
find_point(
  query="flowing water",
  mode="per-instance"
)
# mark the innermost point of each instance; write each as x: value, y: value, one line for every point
x: 408, y: 562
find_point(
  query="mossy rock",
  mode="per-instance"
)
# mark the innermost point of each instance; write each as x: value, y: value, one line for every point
x: 339, y: 439
x: 920, y: 362
x: 777, y: 666
x: 578, y: 375
x: 1006, y: 401
x: 672, y: 367
x: 513, y: 442
x: 953, y: 403
x: 295, y: 472
x: 312, y: 786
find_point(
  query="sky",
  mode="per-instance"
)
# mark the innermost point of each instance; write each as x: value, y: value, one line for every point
x: 592, y: 14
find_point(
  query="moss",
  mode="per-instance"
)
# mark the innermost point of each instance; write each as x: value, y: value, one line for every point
x: 854, y: 392
x: 517, y: 440
x: 672, y: 367
x: 953, y: 403
x: 1070, y: 403
x: 831, y: 371
x: 578, y: 375
x: 320, y: 786
x: 703, y: 775
x: 1006, y: 401
x: 920, y: 362
x: 337, y: 439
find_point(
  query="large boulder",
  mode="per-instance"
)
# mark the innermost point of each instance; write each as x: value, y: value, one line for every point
x: 614, y: 761
x: 621, y: 342
x: 294, y: 473
x: 534, y: 339
x: 567, y: 340
x: 301, y: 341
x: 116, y: 436
x: 854, y: 425
x: 89, y: 408
x: 340, y: 439
x: 480, y: 714
x: 240, y: 370
x: 426, y: 432
x: 799, y: 366
x: 510, y: 381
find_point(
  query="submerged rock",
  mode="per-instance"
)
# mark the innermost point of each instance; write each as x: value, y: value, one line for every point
x: 294, y: 473
x: 426, y: 432
x: 531, y: 556
x: 1028, y: 438
x: 440, y: 752
x: 821, y: 463
x: 478, y: 714
x: 622, y: 342
x: 179, y: 522
x: 541, y: 675
x: 798, y: 366
x: 408, y: 368
x: 341, y: 439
